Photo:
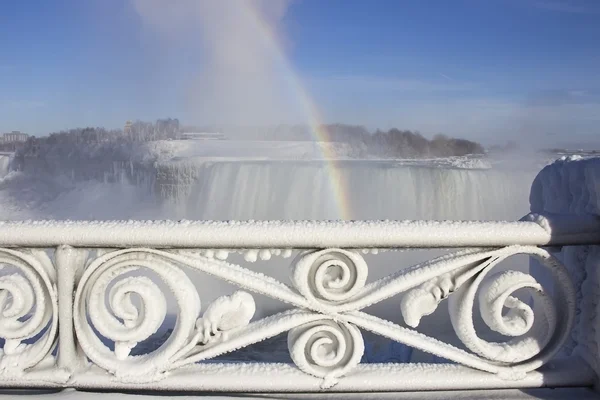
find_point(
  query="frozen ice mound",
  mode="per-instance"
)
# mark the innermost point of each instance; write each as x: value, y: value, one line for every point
x: 571, y: 186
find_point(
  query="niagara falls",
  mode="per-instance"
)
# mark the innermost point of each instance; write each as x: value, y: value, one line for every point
x: 299, y: 199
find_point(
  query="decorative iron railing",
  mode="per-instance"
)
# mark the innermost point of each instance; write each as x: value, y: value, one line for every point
x: 79, y: 299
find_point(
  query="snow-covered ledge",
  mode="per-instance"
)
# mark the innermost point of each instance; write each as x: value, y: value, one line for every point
x: 77, y: 299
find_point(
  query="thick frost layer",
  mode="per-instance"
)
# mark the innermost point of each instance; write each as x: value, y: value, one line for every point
x: 571, y: 186
x: 275, y: 236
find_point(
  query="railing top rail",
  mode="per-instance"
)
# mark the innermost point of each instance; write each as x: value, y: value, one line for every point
x: 534, y: 229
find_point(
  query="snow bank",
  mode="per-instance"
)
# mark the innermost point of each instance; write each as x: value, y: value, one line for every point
x: 571, y: 186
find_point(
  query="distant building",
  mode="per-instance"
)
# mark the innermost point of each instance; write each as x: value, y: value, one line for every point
x: 15, y: 137
x: 127, y: 128
x: 202, y: 136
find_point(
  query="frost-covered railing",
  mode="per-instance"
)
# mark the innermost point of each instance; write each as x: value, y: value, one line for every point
x: 79, y: 299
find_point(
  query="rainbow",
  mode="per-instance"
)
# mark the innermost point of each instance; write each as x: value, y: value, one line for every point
x: 337, y: 182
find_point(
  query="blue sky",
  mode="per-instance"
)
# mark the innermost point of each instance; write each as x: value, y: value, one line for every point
x: 491, y: 70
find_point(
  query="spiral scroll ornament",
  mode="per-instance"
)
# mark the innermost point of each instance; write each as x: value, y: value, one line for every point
x: 533, y: 334
x: 326, y: 349
x: 28, y: 309
x: 535, y: 339
x: 329, y: 277
x: 126, y: 323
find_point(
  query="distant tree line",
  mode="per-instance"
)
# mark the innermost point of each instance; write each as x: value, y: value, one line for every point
x: 94, y: 141
x: 82, y: 148
x: 162, y: 129
x: 74, y: 148
x: 390, y: 144
x: 99, y: 144
x: 401, y: 143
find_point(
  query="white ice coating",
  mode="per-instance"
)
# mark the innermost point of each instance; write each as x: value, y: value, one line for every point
x: 329, y: 276
x: 324, y: 337
x: 326, y: 349
x: 113, y: 300
x: 193, y: 338
x: 261, y: 239
x: 571, y: 186
x: 224, y: 315
x: 495, y: 295
x: 28, y: 305
x: 126, y: 324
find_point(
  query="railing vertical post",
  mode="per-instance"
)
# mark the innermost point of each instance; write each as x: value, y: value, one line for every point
x: 70, y: 263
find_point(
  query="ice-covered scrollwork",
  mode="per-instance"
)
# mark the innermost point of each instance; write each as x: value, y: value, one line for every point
x: 225, y: 314
x: 136, y: 308
x: 329, y: 277
x: 326, y: 349
x: 534, y: 339
x: 114, y: 302
x: 28, y: 309
x: 333, y: 281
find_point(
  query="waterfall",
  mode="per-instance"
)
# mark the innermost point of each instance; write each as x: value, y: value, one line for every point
x: 371, y: 190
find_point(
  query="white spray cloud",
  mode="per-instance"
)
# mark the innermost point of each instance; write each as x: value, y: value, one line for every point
x: 236, y: 47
